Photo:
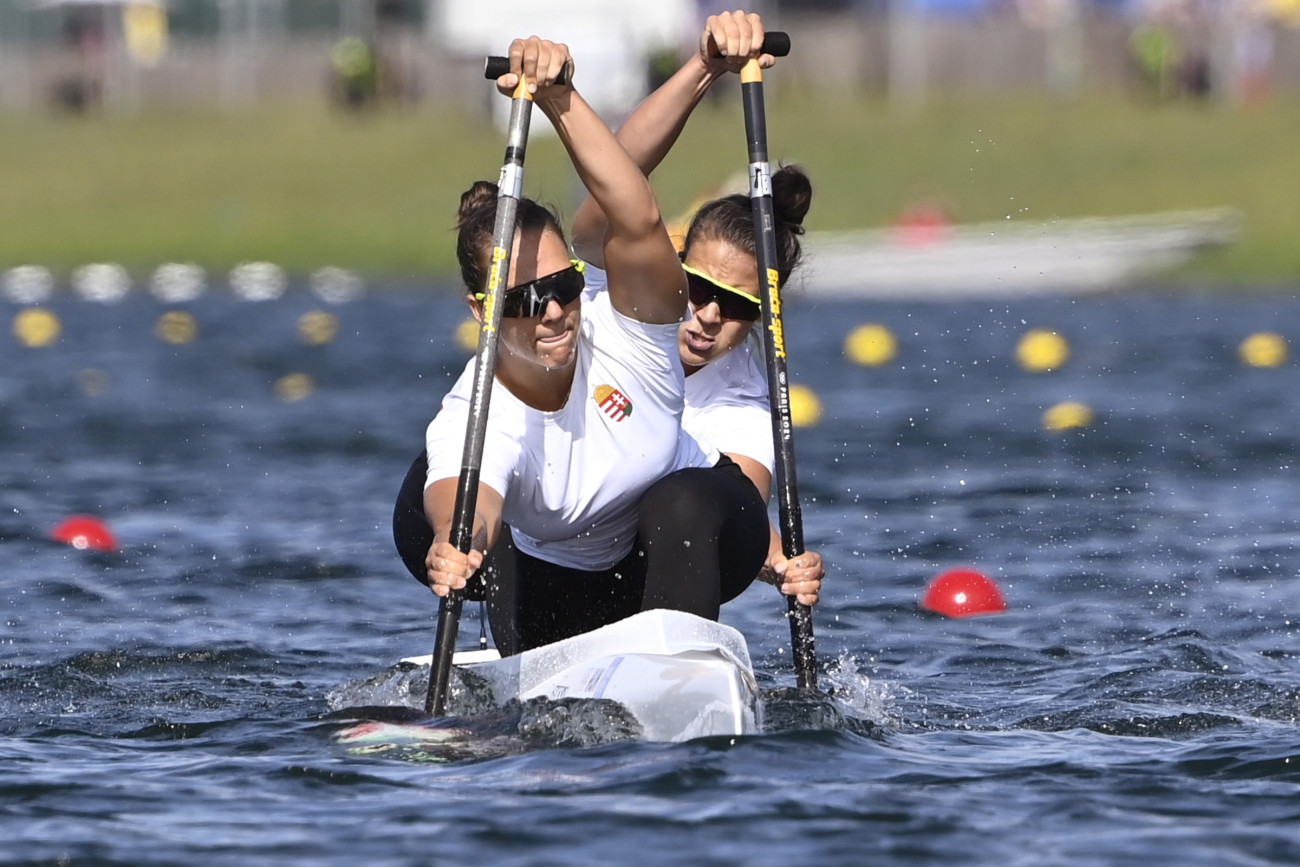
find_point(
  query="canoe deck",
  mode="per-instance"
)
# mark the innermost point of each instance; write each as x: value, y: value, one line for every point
x: 679, y: 675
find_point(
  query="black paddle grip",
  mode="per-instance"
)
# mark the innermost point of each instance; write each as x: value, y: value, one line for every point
x: 495, y: 67
x: 776, y: 43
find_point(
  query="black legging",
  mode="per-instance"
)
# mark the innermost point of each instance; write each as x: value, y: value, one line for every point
x: 702, y: 537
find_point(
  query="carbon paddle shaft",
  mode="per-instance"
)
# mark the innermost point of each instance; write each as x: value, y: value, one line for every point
x: 787, y: 485
x: 509, y: 189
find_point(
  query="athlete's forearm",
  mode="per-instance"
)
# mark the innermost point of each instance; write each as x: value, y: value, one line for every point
x: 647, y: 135
x: 618, y: 187
x: 654, y: 127
x: 439, y: 508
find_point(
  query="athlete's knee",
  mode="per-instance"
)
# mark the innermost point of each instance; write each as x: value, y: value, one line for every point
x: 687, y: 498
x: 412, y: 534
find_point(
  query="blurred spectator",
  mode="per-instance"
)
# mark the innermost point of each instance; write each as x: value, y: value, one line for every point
x: 1153, y: 45
x: 1194, y: 75
x: 1171, y: 49
x: 1252, y: 51
x: 367, y: 67
x: 660, y: 65
x: 83, y: 29
x: 354, y: 73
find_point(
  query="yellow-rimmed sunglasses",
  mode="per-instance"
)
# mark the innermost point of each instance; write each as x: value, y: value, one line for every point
x: 733, y: 303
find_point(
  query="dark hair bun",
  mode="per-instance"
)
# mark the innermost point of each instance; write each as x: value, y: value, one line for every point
x: 791, y: 196
x: 474, y: 200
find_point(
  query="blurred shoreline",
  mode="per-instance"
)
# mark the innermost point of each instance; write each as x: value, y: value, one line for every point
x: 82, y: 54
x: 220, y: 153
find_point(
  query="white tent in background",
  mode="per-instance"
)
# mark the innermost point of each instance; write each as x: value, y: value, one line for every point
x: 610, y: 39
x: 242, y: 24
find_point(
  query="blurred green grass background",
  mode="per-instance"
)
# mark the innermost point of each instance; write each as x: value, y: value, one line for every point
x: 304, y: 186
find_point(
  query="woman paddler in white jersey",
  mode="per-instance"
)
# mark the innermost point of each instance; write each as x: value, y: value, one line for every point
x: 585, y: 459
x: 727, y: 404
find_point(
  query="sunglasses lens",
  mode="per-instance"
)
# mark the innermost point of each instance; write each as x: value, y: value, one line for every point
x: 735, y: 307
x: 567, y: 285
x: 730, y: 305
x: 513, y: 303
x: 700, y: 289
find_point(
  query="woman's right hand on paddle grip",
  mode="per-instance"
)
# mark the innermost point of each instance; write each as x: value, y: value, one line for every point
x: 730, y: 39
x: 539, y: 60
x: 447, y: 568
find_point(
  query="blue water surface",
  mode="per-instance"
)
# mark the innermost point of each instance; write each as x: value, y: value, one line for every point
x: 1136, y: 704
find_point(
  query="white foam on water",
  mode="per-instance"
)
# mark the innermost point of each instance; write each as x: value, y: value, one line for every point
x: 258, y: 281
x: 177, y: 282
x: 28, y: 284
x: 101, y: 282
x: 336, y: 285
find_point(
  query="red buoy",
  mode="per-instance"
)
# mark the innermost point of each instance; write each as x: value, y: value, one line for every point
x: 85, y: 531
x: 963, y: 593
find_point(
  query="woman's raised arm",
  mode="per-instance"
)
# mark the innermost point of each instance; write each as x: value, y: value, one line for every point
x: 645, y: 277
x: 652, y: 129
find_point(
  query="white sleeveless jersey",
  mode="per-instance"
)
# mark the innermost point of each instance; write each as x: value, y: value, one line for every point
x: 727, y: 405
x: 571, y: 479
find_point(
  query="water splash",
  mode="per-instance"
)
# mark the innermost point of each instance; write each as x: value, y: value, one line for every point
x: 851, y: 702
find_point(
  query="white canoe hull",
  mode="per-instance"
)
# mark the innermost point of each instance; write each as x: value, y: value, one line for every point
x: 681, y: 676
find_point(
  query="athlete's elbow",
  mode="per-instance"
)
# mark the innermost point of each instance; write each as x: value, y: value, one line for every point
x: 644, y: 223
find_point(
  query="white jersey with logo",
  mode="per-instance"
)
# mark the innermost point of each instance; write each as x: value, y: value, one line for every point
x: 571, y: 479
x: 727, y: 404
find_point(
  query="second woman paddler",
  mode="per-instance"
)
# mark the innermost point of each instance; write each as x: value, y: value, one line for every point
x: 721, y: 350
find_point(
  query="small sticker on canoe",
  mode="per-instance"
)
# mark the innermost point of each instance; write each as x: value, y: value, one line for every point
x: 408, y: 741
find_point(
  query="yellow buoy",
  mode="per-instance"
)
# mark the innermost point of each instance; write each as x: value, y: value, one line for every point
x: 176, y: 327
x: 467, y: 335
x: 1041, y: 350
x: 805, y: 406
x: 1067, y: 415
x: 36, y: 327
x: 293, y: 386
x: 317, y: 327
x: 871, y: 345
x: 1263, y: 349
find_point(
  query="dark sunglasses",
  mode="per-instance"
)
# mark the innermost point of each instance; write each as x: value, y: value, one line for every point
x: 733, y: 303
x: 531, y: 298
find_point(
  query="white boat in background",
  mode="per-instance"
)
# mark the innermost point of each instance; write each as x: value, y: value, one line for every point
x: 1010, y: 258
x: 679, y: 675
